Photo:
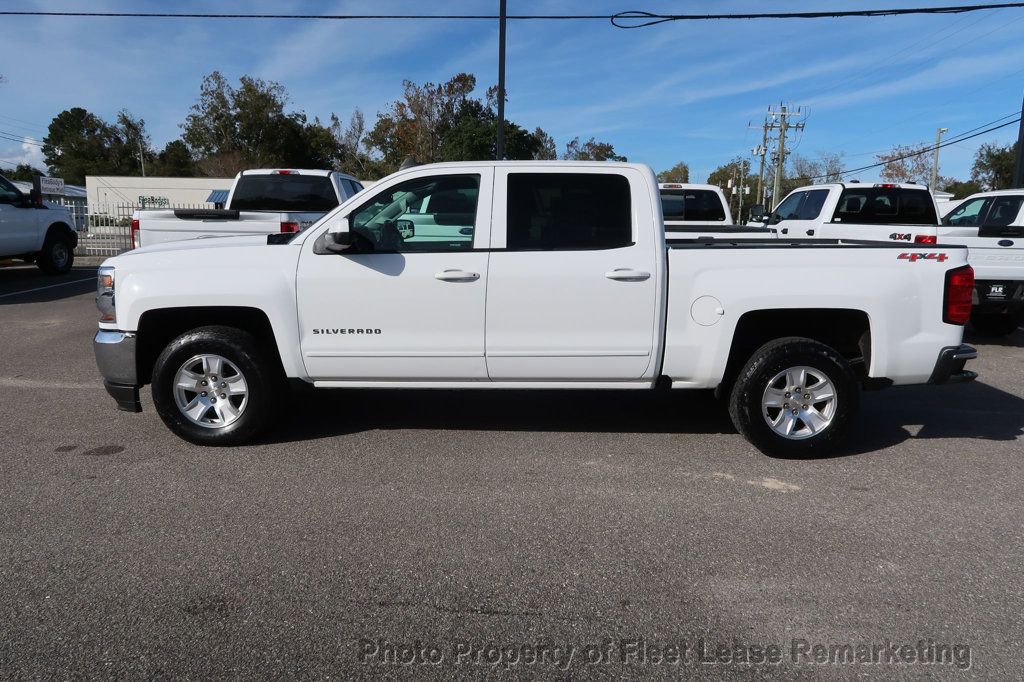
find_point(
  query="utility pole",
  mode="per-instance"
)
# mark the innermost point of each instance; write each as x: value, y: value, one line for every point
x: 502, y: 17
x: 761, y: 152
x: 1018, y: 168
x: 783, y: 125
x: 933, y: 185
x: 142, y: 158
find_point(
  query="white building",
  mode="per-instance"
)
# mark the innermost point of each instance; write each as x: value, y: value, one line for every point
x: 150, y: 192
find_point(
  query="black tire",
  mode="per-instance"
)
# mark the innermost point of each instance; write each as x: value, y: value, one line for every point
x: 57, y: 256
x: 239, y: 348
x: 996, y: 324
x: 775, y: 357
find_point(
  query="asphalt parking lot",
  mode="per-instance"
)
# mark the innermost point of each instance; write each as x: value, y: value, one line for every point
x: 492, y: 527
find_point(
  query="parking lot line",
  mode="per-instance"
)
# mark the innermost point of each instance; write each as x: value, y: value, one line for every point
x: 49, y: 286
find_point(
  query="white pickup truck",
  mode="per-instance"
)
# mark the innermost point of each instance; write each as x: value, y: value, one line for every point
x: 991, y: 225
x: 898, y: 212
x: 694, y: 211
x: 34, y: 231
x: 558, y: 277
x: 261, y: 201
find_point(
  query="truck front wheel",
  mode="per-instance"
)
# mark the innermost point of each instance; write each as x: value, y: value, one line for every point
x: 794, y: 397
x: 57, y: 255
x: 213, y: 386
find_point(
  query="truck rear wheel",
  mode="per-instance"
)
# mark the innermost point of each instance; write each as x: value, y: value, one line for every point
x: 57, y: 255
x: 794, y: 397
x: 213, y: 386
x: 996, y: 324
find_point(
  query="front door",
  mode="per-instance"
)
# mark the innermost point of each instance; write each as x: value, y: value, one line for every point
x: 18, y: 226
x: 398, y: 305
x: 573, y: 287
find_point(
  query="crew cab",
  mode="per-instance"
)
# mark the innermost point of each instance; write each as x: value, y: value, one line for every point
x: 558, y: 276
x: 35, y: 231
x: 898, y: 212
x: 991, y: 225
x: 261, y: 201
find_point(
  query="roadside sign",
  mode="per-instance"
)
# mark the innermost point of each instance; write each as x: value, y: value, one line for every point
x: 51, y: 185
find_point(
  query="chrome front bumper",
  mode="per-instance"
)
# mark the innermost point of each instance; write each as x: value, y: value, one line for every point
x: 115, y: 358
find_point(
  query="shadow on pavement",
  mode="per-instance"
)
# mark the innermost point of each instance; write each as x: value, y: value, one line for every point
x: 973, y: 410
x: 1014, y: 340
x: 20, y: 284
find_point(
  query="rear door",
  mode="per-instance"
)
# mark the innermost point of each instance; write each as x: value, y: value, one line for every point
x: 573, y: 285
x: 19, y: 227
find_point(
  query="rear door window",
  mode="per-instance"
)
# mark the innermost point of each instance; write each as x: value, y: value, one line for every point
x: 1003, y: 211
x: 700, y: 205
x: 885, y: 206
x: 291, y: 192
x: 568, y: 211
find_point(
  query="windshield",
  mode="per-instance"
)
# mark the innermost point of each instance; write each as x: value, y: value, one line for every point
x: 292, y: 193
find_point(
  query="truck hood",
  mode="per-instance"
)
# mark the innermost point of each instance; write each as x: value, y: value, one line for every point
x: 202, y: 243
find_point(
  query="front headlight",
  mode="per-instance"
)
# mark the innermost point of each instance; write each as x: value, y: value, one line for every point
x: 105, y: 293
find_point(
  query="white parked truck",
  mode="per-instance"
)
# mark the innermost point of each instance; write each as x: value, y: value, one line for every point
x: 694, y: 211
x: 35, y: 231
x: 991, y: 225
x: 897, y: 212
x: 261, y: 201
x: 556, y: 276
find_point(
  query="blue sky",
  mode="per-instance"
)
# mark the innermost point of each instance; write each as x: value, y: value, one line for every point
x: 680, y: 91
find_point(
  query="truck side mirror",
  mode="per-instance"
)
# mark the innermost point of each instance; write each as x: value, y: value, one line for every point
x: 339, y: 235
x: 757, y: 213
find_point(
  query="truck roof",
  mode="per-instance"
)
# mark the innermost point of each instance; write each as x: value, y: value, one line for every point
x: 688, y: 185
x: 861, y: 185
x: 295, y: 171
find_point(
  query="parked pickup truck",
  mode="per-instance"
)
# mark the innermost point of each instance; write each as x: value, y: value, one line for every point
x: 557, y: 277
x: 991, y: 225
x: 34, y: 231
x: 262, y: 201
x: 898, y: 212
x: 695, y: 211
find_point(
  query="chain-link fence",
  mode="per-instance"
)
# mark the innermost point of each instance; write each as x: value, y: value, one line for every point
x: 106, y: 230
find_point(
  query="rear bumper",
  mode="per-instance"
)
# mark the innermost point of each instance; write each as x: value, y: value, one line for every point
x: 949, y: 368
x: 115, y: 358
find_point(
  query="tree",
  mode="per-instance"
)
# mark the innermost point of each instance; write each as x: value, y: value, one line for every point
x: 993, y: 165
x: 737, y: 173
x: 231, y: 128
x: 444, y: 122
x: 907, y: 163
x: 79, y: 143
x: 547, y: 150
x: 959, y: 189
x: 175, y: 161
x: 355, y: 157
x: 23, y: 172
x: 591, y: 150
x: 677, y: 173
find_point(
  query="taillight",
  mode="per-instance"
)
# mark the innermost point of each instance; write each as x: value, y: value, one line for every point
x: 956, y: 308
x: 135, y: 233
x: 926, y: 239
x: 289, y: 227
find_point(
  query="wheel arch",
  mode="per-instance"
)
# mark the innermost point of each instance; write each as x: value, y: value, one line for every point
x: 160, y: 326
x: 847, y: 330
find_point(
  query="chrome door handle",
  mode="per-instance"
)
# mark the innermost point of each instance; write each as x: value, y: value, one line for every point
x: 454, y: 275
x: 627, y: 275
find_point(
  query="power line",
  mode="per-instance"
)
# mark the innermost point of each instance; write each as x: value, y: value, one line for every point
x: 882, y: 151
x: 927, y: 150
x: 14, y: 137
x: 627, y: 20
